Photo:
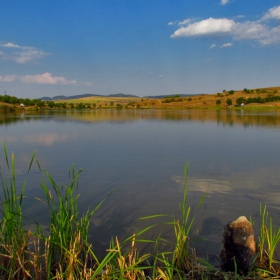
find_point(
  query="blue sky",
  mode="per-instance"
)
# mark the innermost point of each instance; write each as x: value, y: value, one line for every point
x: 146, y: 47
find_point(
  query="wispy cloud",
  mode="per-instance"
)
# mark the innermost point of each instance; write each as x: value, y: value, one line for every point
x: 45, y: 78
x: 224, y: 2
x: 212, y: 46
x: 88, y: 84
x: 20, y: 54
x: 10, y: 45
x: 7, y: 78
x: 227, y: 45
x: 260, y: 31
x: 184, y: 22
x: 172, y: 22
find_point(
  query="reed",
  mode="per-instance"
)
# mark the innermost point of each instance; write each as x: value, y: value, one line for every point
x: 182, y: 259
x: 14, y: 239
x: 64, y: 252
x: 269, y: 239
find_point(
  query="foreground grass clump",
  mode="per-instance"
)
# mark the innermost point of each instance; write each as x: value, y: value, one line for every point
x: 64, y: 252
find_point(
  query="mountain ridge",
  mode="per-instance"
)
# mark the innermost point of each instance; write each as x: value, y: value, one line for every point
x: 63, y: 97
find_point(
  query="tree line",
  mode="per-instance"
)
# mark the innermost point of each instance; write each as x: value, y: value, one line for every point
x: 15, y: 100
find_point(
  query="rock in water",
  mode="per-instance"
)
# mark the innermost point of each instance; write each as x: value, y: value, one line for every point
x: 238, y: 246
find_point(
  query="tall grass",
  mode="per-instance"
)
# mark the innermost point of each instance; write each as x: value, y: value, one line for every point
x: 14, y: 239
x: 268, y: 240
x: 64, y: 252
x: 67, y: 244
x: 182, y: 259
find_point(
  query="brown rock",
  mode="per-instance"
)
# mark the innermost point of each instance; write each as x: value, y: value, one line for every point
x: 238, y: 246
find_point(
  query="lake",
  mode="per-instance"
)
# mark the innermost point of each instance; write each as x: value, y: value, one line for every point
x: 233, y: 156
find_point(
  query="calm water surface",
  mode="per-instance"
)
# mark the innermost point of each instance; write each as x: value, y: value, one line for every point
x: 234, y: 156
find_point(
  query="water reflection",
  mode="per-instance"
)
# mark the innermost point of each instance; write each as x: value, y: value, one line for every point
x: 47, y: 139
x: 234, y: 157
x: 225, y: 117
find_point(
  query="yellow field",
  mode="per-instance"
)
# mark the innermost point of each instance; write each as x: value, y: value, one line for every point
x: 195, y: 101
x: 102, y: 99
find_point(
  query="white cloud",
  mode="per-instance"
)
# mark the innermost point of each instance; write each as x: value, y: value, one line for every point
x: 258, y: 32
x: 224, y: 2
x: 273, y: 13
x: 250, y: 30
x: 29, y: 55
x: 22, y: 54
x: 172, y: 23
x: 263, y: 33
x: 213, y: 46
x: 208, y: 27
x: 272, y: 37
x: 7, y: 78
x: 46, y: 78
x: 88, y: 84
x: 186, y: 21
x: 10, y: 45
x: 227, y: 45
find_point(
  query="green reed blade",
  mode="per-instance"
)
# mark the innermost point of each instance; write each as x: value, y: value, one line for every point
x: 153, y: 216
x: 38, y: 164
x: 31, y: 161
x: 6, y: 155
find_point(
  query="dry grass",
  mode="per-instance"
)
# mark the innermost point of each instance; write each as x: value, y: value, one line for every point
x: 194, y: 101
x: 197, y: 101
x: 102, y: 99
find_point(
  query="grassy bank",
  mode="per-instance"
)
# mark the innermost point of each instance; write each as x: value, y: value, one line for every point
x: 64, y: 252
x: 252, y: 98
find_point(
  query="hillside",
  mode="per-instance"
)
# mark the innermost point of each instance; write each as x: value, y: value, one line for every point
x: 63, y: 97
x: 268, y: 97
x: 190, y: 101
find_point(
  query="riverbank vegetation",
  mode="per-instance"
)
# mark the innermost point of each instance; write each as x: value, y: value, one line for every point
x: 63, y: 251
x: 247, y: 98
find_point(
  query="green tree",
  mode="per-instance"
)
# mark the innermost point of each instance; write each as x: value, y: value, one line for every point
x: 41, y: 103
x: 229, y: 102
x: 240, y: 100
x: 50, y: 104
x: 218, y: 102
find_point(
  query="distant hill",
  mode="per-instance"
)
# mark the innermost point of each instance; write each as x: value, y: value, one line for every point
x: 63, y: 97
x: 163, y: 96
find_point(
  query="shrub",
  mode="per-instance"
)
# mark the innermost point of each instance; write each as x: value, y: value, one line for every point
x: 229, y: 102
x: 241, y: 100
